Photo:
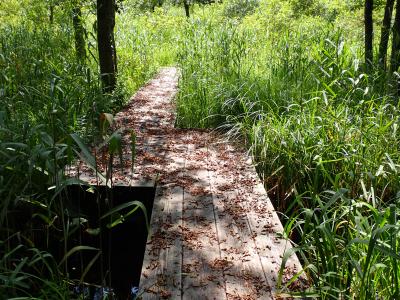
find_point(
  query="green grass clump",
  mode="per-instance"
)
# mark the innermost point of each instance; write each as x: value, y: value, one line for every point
x: 349, y: 246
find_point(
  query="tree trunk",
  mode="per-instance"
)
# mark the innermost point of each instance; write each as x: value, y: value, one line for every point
x: 369, y: 32
x: 114, y: 54
x: 395, y: 58
x: 105, y: 43
x: 79, y: 33
x: 186, y: 5
x: 51, y: 13
x: 385, y: 32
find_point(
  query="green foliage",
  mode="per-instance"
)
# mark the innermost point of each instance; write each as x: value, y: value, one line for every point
x: 26, y: 278
x: 30, y: 162
x: 48, y: 101
x: 39, y: 78
x: 285, y: 76
x: 240, y: 8
x: 307, y: 96
x: 358, y: 248
x: 145, y: 43
x: 324, y: 135
x: 141, y: 6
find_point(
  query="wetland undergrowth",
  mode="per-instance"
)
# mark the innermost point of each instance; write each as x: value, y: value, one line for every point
x: 287, y: 79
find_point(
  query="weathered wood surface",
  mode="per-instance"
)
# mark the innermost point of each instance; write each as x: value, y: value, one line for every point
x: 214, y: 232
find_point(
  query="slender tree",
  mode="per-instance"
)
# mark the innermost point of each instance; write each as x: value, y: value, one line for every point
x: 51, y: 13
x: 79, y: 31
x: 395, y: 58
x: 51, y: 4
x: 106, y: 44
x: 385, y: 32
x: 369, y: 32
x: 186, y: 6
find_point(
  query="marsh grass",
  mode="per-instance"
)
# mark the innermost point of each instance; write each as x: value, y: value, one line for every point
x: 45, y: 96
x: 324, y: 135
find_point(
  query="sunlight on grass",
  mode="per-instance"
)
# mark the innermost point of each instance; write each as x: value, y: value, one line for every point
x: 286, y: 77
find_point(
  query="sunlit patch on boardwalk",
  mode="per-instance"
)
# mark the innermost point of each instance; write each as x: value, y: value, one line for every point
x: 214, y: 232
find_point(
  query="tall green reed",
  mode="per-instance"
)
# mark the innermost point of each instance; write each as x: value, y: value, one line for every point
x: 314, y: 122
x: 45, y: 95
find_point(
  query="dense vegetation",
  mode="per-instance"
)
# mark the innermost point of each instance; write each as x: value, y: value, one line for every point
x: 289, y: 77
x: 322, y: 129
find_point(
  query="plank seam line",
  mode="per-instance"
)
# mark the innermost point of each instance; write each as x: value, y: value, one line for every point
x: 215, y: 217
x: 183, y: 209
x: 253, y: 234
x: 258, y: 253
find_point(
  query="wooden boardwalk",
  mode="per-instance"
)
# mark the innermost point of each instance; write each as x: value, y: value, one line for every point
x: 214, y: 232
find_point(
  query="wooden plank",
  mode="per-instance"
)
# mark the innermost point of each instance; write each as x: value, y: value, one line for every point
x: 271, y: 246
x: 151, y: 160
x: 264, y: 224
x: 201, y: 279
x: 245, y: 278
x: 148, y: 286
x: 161, y: 271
